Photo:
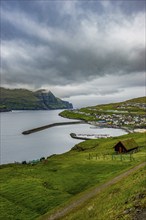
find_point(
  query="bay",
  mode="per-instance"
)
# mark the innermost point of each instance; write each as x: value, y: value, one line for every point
x: 16, y: 147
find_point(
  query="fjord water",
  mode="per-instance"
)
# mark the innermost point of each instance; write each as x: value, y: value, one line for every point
x: 56, y: 140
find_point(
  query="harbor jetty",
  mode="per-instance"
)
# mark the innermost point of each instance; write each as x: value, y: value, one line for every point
x: 89, y: 136
x: 50, y: 126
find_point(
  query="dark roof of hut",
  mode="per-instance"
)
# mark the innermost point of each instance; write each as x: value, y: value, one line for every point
x: 129, y: 143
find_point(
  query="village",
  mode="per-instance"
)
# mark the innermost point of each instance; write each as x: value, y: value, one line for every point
x: 117, y: 117
x: 122, y: 120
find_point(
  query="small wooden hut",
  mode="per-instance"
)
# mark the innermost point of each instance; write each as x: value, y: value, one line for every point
x: 125, y: 146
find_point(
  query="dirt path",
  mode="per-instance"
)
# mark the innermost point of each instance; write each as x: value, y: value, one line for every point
x: 91, y: 194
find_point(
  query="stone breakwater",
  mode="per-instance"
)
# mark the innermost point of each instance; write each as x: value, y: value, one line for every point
x: 50, y: 126
x: 89, y: 136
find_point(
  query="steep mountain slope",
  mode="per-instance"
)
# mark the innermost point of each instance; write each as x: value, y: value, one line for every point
x: 22, y: 99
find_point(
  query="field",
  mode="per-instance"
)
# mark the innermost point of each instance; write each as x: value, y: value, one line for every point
x: 30, y: 191
x: 121, y: 201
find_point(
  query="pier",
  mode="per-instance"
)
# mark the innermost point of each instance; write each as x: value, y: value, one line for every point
x: 50, y: 126
x: 89, y: 136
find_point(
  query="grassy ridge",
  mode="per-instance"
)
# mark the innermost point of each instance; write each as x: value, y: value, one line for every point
x: 137, y: 100
x: 29, y: 191
x: 74, y: 115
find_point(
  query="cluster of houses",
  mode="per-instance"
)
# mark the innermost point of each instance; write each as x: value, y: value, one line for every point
x: 122, y: 119
x: 119, y: 117
x: 116, y: 119
x: 129, y: 105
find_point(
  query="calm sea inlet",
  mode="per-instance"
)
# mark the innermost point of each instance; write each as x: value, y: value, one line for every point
x: 56, y: 140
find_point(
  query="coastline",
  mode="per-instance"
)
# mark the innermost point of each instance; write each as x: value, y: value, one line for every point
x: 37, y: 129
x: 101, y: 125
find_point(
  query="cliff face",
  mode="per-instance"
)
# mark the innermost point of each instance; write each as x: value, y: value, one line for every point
x: 49, y: 101
x: 22, y: 99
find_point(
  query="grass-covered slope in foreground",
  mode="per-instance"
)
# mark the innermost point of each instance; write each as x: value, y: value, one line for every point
x: 30, y: 191
x: 123, y: 200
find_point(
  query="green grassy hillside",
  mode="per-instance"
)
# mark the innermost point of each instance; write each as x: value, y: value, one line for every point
x: 23, y: 99
x: 35, y: 191
x: 129, y: 114
x: 29, y: 191
x: 122, y: 201
x: 137, y: 100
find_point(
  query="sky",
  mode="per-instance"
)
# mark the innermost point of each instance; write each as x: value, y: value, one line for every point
x: 86, y: 52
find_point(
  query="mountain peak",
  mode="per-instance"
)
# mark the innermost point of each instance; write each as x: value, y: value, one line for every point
x: 50, y: 93
x: 45, y: 91
x: 19, y: 99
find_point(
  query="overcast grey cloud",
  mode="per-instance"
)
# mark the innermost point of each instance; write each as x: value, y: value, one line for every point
x: 87, y: 48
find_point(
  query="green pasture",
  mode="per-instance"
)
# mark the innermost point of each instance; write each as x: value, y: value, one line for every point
x: 29, y: 191
x: 122, y: 201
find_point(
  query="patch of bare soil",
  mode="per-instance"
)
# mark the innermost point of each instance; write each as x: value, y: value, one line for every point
x: 140, y: 215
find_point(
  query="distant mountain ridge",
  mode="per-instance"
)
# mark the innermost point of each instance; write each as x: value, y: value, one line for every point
x: 23, y: 99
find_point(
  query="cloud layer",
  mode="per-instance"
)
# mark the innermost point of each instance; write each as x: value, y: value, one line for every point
x: 73, y: 47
